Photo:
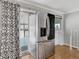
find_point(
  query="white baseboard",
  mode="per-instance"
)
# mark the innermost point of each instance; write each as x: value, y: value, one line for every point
x: 59, y: 44
x: 70, y: 46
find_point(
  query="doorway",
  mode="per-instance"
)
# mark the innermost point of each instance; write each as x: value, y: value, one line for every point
x: 27, y: 32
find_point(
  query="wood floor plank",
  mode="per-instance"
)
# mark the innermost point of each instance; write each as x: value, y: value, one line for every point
x: 61, y: 52
x: 27, y: 57
x: 64, y: 52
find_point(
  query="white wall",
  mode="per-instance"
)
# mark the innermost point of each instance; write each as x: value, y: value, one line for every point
x: 72, y: 21
x: 71, y: 24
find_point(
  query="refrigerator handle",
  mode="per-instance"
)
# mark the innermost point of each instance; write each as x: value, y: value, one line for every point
x: 48, y: 26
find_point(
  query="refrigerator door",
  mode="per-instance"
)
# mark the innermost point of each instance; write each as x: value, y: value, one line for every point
x: 48, y: 26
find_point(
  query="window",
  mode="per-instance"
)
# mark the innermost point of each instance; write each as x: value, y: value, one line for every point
x: 57, y: 24
x: 24, y: 31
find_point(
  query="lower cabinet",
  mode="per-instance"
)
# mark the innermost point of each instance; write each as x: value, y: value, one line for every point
x: 44, y: 50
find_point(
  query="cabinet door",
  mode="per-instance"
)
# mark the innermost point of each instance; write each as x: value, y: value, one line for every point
x: 48, y: 49
x: 41, y: 53
x: 45, y: 50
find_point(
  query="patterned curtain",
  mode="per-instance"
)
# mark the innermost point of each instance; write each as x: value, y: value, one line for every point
x: 9, y: 36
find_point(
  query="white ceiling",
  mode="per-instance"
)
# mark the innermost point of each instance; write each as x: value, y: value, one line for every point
x: 65, y: 6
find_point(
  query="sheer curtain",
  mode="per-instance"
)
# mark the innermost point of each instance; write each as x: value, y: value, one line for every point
x: 9, y: 38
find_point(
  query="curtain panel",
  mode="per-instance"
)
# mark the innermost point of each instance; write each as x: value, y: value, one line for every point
x: 9, y: 31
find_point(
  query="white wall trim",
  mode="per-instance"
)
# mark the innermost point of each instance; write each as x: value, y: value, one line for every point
x: 46, y: 7
x: 73, y: 11
x: 69, y: 46
x: 41, y: 6
x: 59, y: 44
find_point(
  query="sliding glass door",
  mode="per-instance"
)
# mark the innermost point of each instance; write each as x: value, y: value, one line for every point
x: 27, y: 32
x: 24, y: 31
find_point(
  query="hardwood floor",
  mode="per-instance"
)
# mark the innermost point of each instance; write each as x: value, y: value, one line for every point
x: 27, y: 57
x: 63, y: 52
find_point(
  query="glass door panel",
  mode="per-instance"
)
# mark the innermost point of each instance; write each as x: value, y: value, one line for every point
x: 27, y: 33
x: 24, y: 32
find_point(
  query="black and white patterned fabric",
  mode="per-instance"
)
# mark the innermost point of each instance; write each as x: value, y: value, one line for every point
x: 9, y: 32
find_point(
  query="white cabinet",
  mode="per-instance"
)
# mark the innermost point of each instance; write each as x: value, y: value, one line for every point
x: 45, y: 49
